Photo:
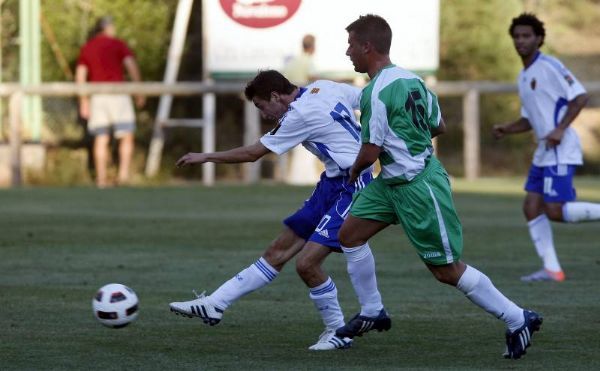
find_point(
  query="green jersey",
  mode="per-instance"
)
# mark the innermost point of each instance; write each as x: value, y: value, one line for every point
x: 397, y: 114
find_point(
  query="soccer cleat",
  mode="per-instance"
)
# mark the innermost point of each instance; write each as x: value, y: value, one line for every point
x: 519, y: 340
x: 329, y: 341
x: 358, y: 325
x: 199, y: 307
x: 544, y: 275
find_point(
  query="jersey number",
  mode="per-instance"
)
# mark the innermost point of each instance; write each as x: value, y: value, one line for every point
x: 342, y: 116
x: 415, y: 106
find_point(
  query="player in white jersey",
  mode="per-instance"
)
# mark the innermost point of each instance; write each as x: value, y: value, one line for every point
x: 551, y: 98
x: 320, y: 117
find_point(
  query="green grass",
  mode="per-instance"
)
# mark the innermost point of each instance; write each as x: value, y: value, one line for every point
x: 57, y: 246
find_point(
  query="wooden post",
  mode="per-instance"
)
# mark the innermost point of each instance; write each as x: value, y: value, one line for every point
x: 251, y: 135
x: 182, y: 18
x: 208, y: 136
x: 14, y: 107
x: 471, y: 134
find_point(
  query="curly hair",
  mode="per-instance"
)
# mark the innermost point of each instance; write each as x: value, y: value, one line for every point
x: 529, y: 19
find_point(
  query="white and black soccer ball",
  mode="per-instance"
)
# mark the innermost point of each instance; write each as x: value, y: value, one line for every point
x: 115, y: 305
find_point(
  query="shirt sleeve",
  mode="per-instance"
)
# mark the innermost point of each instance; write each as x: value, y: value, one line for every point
x: 434, y: 113
x: 378, y: 123
x: 524, y: 113
x: 565, y: 81
x: 124, y: 50
x: 289, y: 132
x: 352, y: 94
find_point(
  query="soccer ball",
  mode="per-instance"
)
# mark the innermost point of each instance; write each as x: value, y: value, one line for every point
x: 115, y: 305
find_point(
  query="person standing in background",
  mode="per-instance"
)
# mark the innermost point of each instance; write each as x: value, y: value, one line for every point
x: 300, y: 70
x: 551, y: 98
x: 102, y: 59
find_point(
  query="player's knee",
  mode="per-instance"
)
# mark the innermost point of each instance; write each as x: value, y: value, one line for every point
x: 347, y: 239
x: 555, y: 214
x: 275, y: 255
x: 448, y: 275
x: 303, y: 267
x: 444, y: 278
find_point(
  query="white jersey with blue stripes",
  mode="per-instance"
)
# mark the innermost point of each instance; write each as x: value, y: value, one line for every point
x: 545, y: 89
x: 322, y: 119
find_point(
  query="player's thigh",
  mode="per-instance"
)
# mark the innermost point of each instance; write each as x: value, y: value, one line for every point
x: 357, y: 231
x: 312, y: 255
x: 372, y: 210
x: 428, y: 216
x: 283, y: 248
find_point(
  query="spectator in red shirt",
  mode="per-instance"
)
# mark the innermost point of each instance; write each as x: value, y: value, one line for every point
x: 102, y: 59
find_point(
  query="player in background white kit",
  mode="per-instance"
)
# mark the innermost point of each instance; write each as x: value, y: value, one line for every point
x: 551, y: 98
x: 320, y: 117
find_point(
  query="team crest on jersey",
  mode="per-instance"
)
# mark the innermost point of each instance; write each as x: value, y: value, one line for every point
x: 314, y: 90
x: 533, y: 84
x: 569, y: 79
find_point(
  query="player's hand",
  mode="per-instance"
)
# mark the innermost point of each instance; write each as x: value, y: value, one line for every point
x: 498, y: 131
x: 554, y: 138
x: 353, y: 176
x: 191, y: 158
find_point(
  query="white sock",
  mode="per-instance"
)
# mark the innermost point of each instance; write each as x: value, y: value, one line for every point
x: 478, y: 288
x: 575, y: 212
x: 540, y: 231
x: 250, y: 279
x: 326, y: 301
x: 361, y: 268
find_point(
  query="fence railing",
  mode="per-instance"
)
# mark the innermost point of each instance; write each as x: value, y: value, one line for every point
x: 469, y: 90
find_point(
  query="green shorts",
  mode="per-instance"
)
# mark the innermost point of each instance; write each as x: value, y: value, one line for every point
x: 423, y: 206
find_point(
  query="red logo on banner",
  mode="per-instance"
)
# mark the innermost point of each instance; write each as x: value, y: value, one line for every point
x: 260, y: 13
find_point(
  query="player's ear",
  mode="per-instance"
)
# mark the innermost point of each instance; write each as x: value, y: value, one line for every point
x: 275, y: 97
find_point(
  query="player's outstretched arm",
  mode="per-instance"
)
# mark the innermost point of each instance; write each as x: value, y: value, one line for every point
x: 249, y: 153
x: 520, y: 126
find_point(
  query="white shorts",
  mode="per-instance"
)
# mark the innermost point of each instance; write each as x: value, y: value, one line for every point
x: 108, y: 110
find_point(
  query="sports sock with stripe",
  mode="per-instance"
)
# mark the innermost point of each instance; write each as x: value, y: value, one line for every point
x: 575, y: 212
x: 250, y: 279
x: 325, y: 299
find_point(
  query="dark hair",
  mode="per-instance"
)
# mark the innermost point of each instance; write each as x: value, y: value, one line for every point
x: 373, y: 29
x: 529, y: 19
x: 267, y: 82
x: 100, y: 25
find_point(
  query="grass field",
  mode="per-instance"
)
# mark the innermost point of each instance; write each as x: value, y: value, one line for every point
x: 57, y: 246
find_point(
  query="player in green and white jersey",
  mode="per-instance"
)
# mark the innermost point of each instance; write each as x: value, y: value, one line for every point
x: 399, y: 117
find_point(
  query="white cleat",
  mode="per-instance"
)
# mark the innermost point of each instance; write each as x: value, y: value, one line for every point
x: 199, y: 307
x: 328, y: 341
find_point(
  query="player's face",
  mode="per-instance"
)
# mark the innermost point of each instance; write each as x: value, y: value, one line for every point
x: 525, y: 40
x: 357, y: 53
x: 272, y: 109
